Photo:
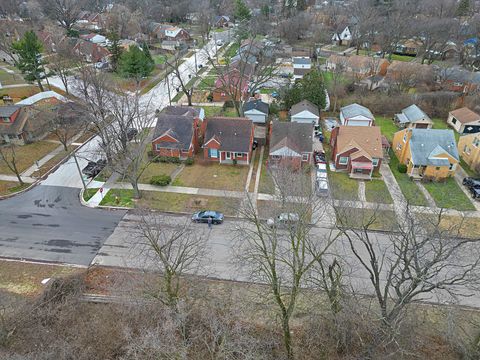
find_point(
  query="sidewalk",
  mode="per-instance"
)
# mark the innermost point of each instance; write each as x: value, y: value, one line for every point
x: 13, y: 178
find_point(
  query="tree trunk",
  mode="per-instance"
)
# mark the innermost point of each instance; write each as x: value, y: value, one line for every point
x: 39, y: 82
x: 287, y: 336
x: 136, y: 190
x: 19, y: 178
x: 189, y: 98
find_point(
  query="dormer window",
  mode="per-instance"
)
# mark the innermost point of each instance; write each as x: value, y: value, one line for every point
x: 5, y: 119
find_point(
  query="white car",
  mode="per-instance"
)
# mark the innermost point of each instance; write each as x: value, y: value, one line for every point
x: 321, y: 187
x: 283, y: 220
x: 219, y: 43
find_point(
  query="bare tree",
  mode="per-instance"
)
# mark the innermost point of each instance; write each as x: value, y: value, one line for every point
x: 63, y: 62
x: 175, y: 248
x: 424, y: 257
x: 9, y: 157
x: 174, y: 66
x: 337, y: 72
x: 10, y: 32
x: 66, y: 12
x: 283, y: 252
x: 69, y: 120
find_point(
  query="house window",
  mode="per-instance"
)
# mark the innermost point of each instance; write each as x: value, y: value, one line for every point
x: 5, y: 119
x: 399, y: 147
x: 437, y: 168
x: 343, y: 160
x: 476, y: 142
x: 452, y: 166
x: 213, y: 153
x: 276, y: 157
x: 405, y: 137
x: 228, y: 155
x: 466, y: 150
x: 454, y: 121
x: 238, y: 155
x: 375, y: 162
x: 304, y: 157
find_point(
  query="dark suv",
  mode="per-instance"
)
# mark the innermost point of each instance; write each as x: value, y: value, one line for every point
x: 471, y: 182
x: 93, y: 168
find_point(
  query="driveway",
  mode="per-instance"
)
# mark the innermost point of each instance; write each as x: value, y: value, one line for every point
x: 48, y: 223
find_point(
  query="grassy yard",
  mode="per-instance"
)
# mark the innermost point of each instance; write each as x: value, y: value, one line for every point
x: 87, y: 194
x: 207, y: 83
x: 384, y: 220
x: 467, y: 169
x: 27, y: 154
x: 266, y: 184
x: 9, y: 187
x: 213, y: 176
x: 10, y: 79
x: 118, y: 197
x: 343, y: 188
x: 232, y: 50
x: 157, y: 169
x: 408, y: 187
x: 387, y: 126
x: 401, y: 58
x: 218, y: 111
x: 449, y: 195
x: 20, y: 93
x: 187, y: 203
x: 159, y: 59
x: 377, y: 192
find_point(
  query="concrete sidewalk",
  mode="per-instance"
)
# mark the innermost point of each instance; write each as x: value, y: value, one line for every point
x: 13, y: 178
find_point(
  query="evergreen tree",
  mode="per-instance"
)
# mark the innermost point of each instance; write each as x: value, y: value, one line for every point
x: 135, y: 64
x: 242, y: 12
x: 147, y: 53
x: 29, y: 50
x: 115, y: 50
x: 463, y: 8
x: 310, y: 88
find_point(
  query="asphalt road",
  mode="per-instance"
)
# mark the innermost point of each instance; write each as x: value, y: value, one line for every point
x: 48, y: 223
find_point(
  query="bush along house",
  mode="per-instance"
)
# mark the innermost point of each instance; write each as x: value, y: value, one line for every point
x: 228, y: 140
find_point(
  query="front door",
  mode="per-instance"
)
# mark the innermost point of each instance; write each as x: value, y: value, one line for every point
x: 228, y: 155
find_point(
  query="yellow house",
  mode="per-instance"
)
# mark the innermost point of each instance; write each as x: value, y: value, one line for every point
x: 469, y: 149
x: 428, y: 153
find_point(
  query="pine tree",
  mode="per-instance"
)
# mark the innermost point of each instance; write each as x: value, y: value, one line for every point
x: 115, y: 50
x: 30, y: 62
x: 242, y: 12
x: 463, y: 8
x: 135, y: 64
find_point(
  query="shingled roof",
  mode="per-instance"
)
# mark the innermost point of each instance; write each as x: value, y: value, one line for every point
x: 465, y: 115
x: 293, y: 135
x: 304, y: 105
x: 179, y: 127
x: 233, y: 133
x: 427, y: 144
x: 366, y: 138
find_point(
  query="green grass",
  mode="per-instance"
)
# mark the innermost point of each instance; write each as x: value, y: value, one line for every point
x: 467, y: 168
x: 232, y: 50
x: 118, y: 197
x: 328, y: 78
x: 27, y: 154
x: 376, y: 191
x: 87, y: 194
x: 10, y: 187
x: 401, y: 58
x: 343, y: 188
x: 218, y: 111
x: 449, y: 195
x: 10, y: 79
x: 159, y: 59
x: 155, y: 169
x: 207, y: 83
x: 383, y: 220
x: 387, y: 126
x: 408, y: 187
x: 266, y: 90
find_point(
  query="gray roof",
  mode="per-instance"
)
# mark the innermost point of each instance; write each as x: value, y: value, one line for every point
x: 425, y: 144
x: 462, y: 75
x: 295, y: 136
x: 257, y: 105
x: 302, y: 60
x: 232, y: 133
x: 9, y: 110
x: 304, y: 105
x: 412, y: 114
x: 182, y: 111
x: 353, y: 110
x: 180, y: 127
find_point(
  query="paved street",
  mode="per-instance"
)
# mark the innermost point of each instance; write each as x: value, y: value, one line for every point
x: 48, y: 223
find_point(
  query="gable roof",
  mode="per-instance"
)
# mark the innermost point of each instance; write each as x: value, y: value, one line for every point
x: 355, y: 109
x: 427, y: 144
x: 465, y: 115
x: 293, y: 135
x: 42, y: 96
x: 178, y: 127
x: 358, y: 62
x: 232, y: 133
x: 304, y: 105
x: 183, y: 111
x: 9, y: 110
x: 301, y: 60
x: 412, y: 114
x: 364, y: 138
x: 256, y: 105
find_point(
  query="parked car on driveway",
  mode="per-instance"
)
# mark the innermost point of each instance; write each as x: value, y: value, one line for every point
x: 319, y: 158
x: 203, y: 216
x: 284, y: 220
x: 471, y: 182
x: 131, y: 133
x: 94, y: 168
x: 321, y: 187
x: 475, y: 193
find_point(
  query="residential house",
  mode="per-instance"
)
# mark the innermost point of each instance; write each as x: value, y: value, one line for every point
x: 91, y: 52
x: 177, y: 34
x: 290, y: 143
x: 90, y: 21
x: 301, y: 66
x: 23, y: 124
x: 469, y: 149
x: 231, y: 84
x: 228, y: 140
x: 196, y: 112
x: 459, y: 80
x: 176, y: 136
x: 428, y: 153
x: 356, y: 115
x: 221, y: 21
x: 157, y: 30
x: 357, y: 65
x: 126, y: 43
x: 357, y: 150
x: 409, y: 47
x: 410, y: 72
x: 94, y: 38
x: 251, y: 47
x: 256, y: 110
x: 464, y: 121
x: 47, y: 40
x: 305, y: 112
x: 343, y: 38
x: 413, y: 117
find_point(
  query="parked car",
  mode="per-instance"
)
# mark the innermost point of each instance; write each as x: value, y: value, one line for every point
x: 254, y: 144
x: 475, y: 193
x: 321, y: 187
x: 284, y: 220
x: 219, y: 43
x: 94, y: 168
x: 203, y: 216
x: 131, y: 133
x: 319, y: 158
x: 471, y: 182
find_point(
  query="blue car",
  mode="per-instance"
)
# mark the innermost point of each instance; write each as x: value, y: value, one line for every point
x: 203, y: 216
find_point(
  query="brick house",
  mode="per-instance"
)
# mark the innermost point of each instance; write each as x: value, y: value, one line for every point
x: 176, y: 136
x: 234, y: 83
x: 227, y: 139
x: 357, y: 150
x: 290, y: 143
x: 176, y: 34
x: 358, y: 65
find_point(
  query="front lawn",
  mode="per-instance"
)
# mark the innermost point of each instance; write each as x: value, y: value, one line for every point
x: 28, y: 154
x: 20, y: 93
x: 449, y: 195
x: 387, y: 126
x: 342, y: 187
x: 88, y: 193
x: 155, y: 169
x: 213, y: 176
x: 164, y: 201
x: 383, y: 220
x: 377, y: 192
x: 401, y: 58
x: 409, y: 188
x: 10, y: 187
x: 118, y: 197
x: 10, y: 79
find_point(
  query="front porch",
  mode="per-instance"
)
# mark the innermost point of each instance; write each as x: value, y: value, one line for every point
x: 361, y: 170
x: 360, y: 176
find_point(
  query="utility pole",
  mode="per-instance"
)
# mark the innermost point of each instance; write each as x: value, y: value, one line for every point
x: 168, y: 89
x: 79, y: 171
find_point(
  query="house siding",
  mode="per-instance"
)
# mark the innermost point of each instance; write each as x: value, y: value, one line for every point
x: 471, y: 156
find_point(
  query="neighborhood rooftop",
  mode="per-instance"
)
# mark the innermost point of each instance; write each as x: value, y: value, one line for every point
x: 367, y: 138
x: 179, y: 127
x: 465, y: 115
x: 411, y: 114
x: 302, y: 106
x: 353, y: 110
x: 256, y: 105
x: 291, y: 135
x: 9, y: 110
x: 427, y: 144
x: 232, y: 133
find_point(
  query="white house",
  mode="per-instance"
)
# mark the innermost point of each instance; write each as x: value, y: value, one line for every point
x: 256, y: 110
x: 464, y: 121
x: 343, y: 38
x: 301, y: 65
x: 305, y: 112
x: 95, y: 38
x: 356, y: 115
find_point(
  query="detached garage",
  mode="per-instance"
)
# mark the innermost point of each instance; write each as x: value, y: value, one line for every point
x: 464, y: 121
x: 256, y: 110
x: 305, y: 112
x: 356, y: 115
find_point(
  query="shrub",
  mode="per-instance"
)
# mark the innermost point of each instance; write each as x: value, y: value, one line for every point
x: 235, y: 161
x: 150, y: 154
x: 167, y: 159
x: 189, y: 161
x: 210, y: 97
x: 160, y: 180
x: 402, y: 168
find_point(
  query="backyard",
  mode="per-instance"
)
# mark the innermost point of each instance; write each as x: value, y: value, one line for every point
x: 387, y: 126
x: 449, y: 195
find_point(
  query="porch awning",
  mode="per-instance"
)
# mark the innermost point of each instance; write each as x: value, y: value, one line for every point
x: 366, y: 166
